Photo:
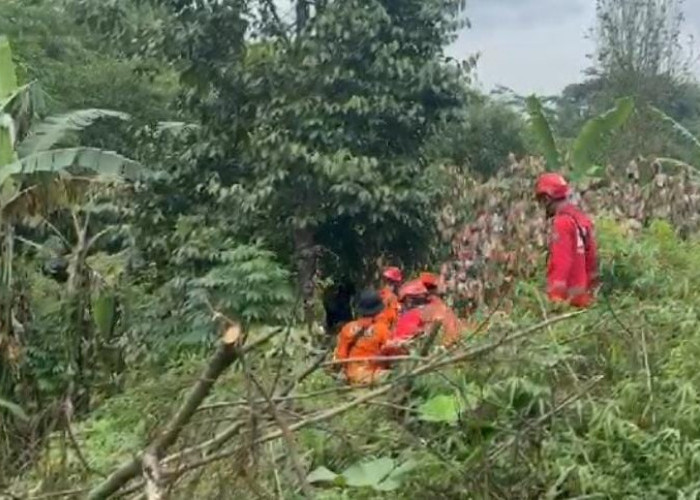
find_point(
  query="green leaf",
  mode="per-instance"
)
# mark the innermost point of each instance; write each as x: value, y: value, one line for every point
x: 90, y: 162
x: 543, y: 132
x: 13, y: 408
x: 442, y: 408
x: 8, y: 77
x: 321, y: 475
x: 54, y: 128
x: 590, y: 138
x: 24, y: 94
x: 393, y: 482
x: 679, y: 129
x: 368, y: 473
x: 7, y: 153
x: 103, y: 309
x: 176, y: 127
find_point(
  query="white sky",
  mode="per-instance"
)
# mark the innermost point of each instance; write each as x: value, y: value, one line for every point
x: 536, y: 46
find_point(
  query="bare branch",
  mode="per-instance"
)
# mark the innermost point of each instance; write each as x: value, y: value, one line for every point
x: 226, y: 354
x: 286, y: 434
x: 151, y: 474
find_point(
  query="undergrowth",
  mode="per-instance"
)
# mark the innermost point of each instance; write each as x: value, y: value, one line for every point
x: 605, y: 404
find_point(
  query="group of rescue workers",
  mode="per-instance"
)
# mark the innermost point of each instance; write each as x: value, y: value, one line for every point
x: 390, y: 321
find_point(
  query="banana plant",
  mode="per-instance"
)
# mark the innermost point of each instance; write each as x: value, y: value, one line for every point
x: 678, y: 129
x: 36, y: 180
x: 580, y: 157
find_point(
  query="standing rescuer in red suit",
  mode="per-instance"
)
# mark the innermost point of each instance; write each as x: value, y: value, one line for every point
x: 572, y: 267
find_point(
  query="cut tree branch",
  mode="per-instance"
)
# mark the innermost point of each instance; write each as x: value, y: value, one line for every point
x: 225, y: 355
x: 373, y: 394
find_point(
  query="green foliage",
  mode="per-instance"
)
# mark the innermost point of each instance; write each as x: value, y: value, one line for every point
x: 247, y: 284
x: 588, y: 144
x: 83, y: 161
x: 480, y: 138
x: 8, y: 80
x: 594, y: 133
x: 53, y: 129
x: 382, y: 474
x: 326, y: 143
x: 639, y: 53
x: 685, y: 134
x: 543, y: 132
x: 441, y: 408
x: 103, y: 312
x: 322, y: 131
x: 14, y: 409
x: 7, y: 152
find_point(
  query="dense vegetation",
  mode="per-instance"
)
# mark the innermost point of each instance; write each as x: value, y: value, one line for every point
x: 174, y: 203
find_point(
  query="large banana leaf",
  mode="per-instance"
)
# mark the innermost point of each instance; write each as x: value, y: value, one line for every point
x: 17, y: 98
x: 543, y: 133
x: 692, y: 169
x: 54, y: 128
x: 91, y: 163
x: 22, y: 106
x: 677, y: 127
x: 7, y: 152
x: 44, y: 182
x: 8, y: 78
x: 590, y: 139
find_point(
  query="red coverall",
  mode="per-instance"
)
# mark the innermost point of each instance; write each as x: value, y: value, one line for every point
x: 572, y: 267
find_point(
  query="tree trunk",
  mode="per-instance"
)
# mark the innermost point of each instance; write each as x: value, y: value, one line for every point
x: 302, y: 12
x: 306, y: 256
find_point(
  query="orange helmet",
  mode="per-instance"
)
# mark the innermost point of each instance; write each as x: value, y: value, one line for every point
x: 430, y: 280
x: 414, y: 288
x: 553, y: 186
x: 393, y: 274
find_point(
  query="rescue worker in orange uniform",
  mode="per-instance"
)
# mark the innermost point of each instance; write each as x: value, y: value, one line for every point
x: 411, y: 323
x: 436, y: 311
x: 364, y: 338
x: 572, y: 266
x: 393, y: 278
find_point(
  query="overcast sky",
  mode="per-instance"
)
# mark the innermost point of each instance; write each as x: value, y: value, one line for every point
x: 536, y: 45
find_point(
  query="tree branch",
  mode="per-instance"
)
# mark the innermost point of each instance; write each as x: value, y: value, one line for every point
x: 225, y: 355
x: 373, y: 394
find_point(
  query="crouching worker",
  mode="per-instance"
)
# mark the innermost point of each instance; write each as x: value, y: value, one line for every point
x: 364, y: 338
x: 411, y: 323
x: 392, y: 277
x: 436, y: 311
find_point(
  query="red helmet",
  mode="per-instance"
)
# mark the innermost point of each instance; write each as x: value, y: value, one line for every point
x: 430, y: 280
x: 393, y: 274
x: 414, y: 288
x: 553, y: 186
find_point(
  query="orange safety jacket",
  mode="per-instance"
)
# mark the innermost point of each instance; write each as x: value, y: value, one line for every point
x: 390, y: 314
x: 362, y: 338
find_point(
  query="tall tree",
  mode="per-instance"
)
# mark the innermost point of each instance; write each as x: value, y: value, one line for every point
x: 639, y: 50
x: 639, y: 53
x: 312, y: 129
